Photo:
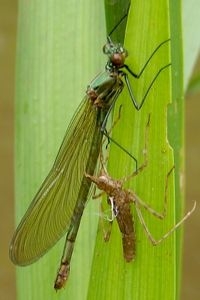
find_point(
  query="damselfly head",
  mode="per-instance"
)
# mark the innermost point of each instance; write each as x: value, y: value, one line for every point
x: 116, y: 53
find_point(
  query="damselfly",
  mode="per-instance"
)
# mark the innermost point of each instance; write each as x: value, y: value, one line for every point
x: 58, y: 205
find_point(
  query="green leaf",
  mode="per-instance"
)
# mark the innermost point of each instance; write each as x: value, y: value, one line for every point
x: 194, y: 85
x: 116, y: 18
x: 154, y: 268
x: 191, y: 40
x: 58, y: 53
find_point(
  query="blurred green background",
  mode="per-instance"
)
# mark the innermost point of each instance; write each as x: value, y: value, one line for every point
x: 191, y: 259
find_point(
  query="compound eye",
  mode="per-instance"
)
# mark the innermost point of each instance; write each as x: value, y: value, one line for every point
x: 107, y: 49
x: 118, y: 59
